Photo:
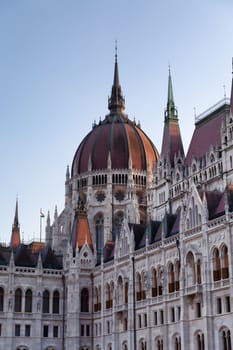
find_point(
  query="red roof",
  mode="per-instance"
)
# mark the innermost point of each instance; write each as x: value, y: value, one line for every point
x: 172, y: 142
x: 120, y: 138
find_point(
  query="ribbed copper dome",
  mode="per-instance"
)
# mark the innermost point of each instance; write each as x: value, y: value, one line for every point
x: 117, y: 137
x: 120, y: 138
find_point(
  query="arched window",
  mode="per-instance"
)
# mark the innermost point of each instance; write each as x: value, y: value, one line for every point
x: 1, y: 299
x: 177, y: 343
x: 99, y: 230
x: 154, y: 288
x: 45, y: 306
x: 108, y: 295
x: 18, y: 300
x: 200, y: 341
x: 191, y: 276
x: 56, y: 302
x: 160, y: 281
x: 216, y: 265
x: 84, y: 300
x: 159, y: 344
x: 28, y: 300
x: 120, y: 290
x: 171, y: 278
x: 199, y: 271
x: 177, y: 275
x: 118, y: 219
x: 124, y: 346
x: 126, y: 289
x: 138, y: 287
x: 226, y: 339
x: 225, y: 262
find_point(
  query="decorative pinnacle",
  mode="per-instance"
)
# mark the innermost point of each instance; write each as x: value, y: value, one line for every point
x: 171, y: 111
x: 115, y: 50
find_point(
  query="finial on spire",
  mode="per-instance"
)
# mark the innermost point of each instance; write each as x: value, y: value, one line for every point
x: 232, y: 65
x: 171, y: 111
x: 115, y: 50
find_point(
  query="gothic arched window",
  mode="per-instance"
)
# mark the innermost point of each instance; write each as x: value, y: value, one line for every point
x: 45, y: 306
x: 99, y: 230
x: 28, y: 300
x: 56, y: 302
x: 18, y: 300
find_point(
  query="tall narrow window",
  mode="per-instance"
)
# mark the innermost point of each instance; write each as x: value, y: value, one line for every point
x: 28, y: 301
x: 99, y: 229
x: 45, y: 307
x: 56, y: 301
x: 225, y: 263
x: 84, y: 300
x: 18, y: 300
x: 217, y: 265
x: 1, y: 299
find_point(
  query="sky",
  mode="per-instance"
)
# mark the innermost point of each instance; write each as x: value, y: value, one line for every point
x: 56, y: 73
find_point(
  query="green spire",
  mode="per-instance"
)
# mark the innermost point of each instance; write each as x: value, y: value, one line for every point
x: 171, y: 111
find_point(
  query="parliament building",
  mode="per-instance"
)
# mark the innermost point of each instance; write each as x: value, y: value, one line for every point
x: 141, y: 257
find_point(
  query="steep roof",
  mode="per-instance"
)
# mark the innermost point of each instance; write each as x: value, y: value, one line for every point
x: 207, y: 133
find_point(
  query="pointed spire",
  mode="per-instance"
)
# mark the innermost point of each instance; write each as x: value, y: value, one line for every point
x: 172, y: 144
x: 15, y: 235
x: 116, y: 103
x: 67, y: 173
x: 171, y: 111
x: 81, y: 233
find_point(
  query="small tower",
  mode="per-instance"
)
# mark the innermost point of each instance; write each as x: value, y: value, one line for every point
x: 15, y: 235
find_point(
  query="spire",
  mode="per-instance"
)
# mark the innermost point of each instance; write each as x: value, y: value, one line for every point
x: 171, y: 111
x: 81, y: 233
x: 172, y: 144
x: 15, y: 235
x: 116, y: 103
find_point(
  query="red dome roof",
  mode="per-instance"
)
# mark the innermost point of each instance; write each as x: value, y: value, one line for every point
x: 119, y: 137
x: 116, y: 136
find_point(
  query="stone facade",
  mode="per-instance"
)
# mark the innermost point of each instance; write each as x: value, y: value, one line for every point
x: 141, y: 256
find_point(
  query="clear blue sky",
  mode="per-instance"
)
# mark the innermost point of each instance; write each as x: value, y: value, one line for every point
x: 56, y: 71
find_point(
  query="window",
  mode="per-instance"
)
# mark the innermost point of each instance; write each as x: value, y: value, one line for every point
x: 155, y: 318
x: 178, y: 313
x: 46, y: 331
x: 161, y: 317
x: 139, y: 321
x: 228, y: 303
x: 226, y: 339
x: 0, y: 330
x: 18, y: 300
x: 172, y: 314
x: 17, y: 330
x: 99, y: 229
x: 87, y: 330
x: 55, y: 331
x: 28, y: 301
x: 56, y: 300
x: 198, y: 309
x: 45, y: 307
x: 1, y: 299
x: 145, y: 320
x: 200, y: 342
x: 27, y: 330
x: 82, y: 330
x: 219, y: 306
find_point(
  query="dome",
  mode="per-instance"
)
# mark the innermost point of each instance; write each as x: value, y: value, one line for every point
x: 117, y: 139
